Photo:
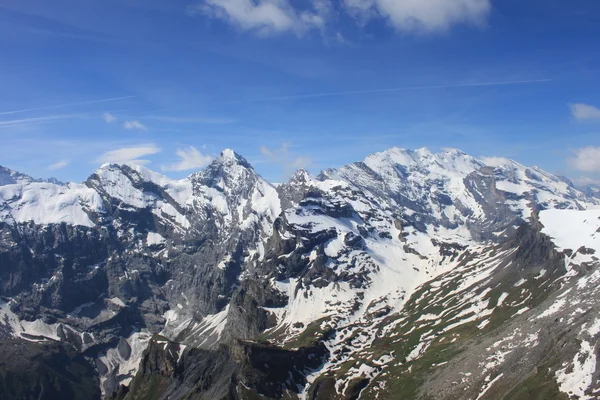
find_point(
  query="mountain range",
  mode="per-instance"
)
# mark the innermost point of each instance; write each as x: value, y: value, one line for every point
x: 408, y: 275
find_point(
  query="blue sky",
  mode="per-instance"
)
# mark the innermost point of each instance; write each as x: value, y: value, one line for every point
x: 296, y: 83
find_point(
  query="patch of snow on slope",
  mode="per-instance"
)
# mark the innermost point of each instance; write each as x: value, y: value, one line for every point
x: 120, y: 368
x: 154, y: 238
x: 553, y: 309
x: 20, y: 329
x: 571, y: 229
x: 501, y: 299
x: 575, y: 380
x: 487, y: 385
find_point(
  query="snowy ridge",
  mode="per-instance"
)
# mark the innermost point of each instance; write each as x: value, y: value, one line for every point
x: 407, y: 247
x: 48, y: 203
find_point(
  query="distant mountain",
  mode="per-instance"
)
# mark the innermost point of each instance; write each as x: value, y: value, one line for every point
x: 9, y: 177
x: 592, y: 190
x: 407, y: 275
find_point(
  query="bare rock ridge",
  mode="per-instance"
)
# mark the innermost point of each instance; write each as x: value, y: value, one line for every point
x: 410, y: 274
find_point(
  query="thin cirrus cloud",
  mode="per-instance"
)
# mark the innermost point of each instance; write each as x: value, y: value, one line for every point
x: 38, y: 120
x: 58, y: 165
x: 280, y: 16
x: 583, y: 112
x: 192, y: 120
x: 129, y: 154
x: 587, y: 159
x: 189, y: 158
x: 386, y: 90
x: 79, y: 103
x: 134, y: 125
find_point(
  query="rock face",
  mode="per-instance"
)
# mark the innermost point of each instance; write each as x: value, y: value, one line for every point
x: 407, y: 275
x: 45, y: 371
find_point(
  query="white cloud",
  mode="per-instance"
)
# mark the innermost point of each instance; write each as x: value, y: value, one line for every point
x: 134, y: 125
x: 109, y: 118
x: 420, y: 16
x: 129, y: 154
x: 283, y: 157
x: 266, y: 16
x: 584, y: 111
x: 191, y: 158
x: 587, y: 159
x: 58, y: 165
x: 277, y: 16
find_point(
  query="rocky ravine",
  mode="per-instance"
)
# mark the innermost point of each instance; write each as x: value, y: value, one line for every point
x: 407, y: 275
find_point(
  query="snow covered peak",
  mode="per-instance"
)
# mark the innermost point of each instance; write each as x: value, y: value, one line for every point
x: 228, y: 173
x: 135, y: 171
x: 228, y: 154
x: 450, y: 160
x: 48, y: 203
x: 230, y: 157
x: 10, y: 177
x: 500, y: 162
x: 395, y: 165
x: 301, y: 176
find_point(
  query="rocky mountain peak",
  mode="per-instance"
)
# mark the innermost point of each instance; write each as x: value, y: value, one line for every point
x: 301, y: 176
x: 447, y: 162
x: 113, y: 172
x: 320, y: 269
x: 229, y: 173
x: 229, y: 157
x: 9, y: 177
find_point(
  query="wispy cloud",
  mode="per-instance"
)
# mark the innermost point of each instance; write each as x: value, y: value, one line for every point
x: 423, y: 16
x: 277, y: 16
x: 584, y: 112
x: 134, y: 125
x: 109, y: 118
x: 399, y: 89
x: 263, y: 16
x: 285, y: 159
x: 80, y: 103
x: 58, y: 165
x: 587, y: 159
x: 190, y: 158
x: 192, y: 120
x: 129, y: 154
x: 37, y: 120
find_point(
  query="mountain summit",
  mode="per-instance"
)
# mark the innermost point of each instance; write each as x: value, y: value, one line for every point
x: 410, y: 274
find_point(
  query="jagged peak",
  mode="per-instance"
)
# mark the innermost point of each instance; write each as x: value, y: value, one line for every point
x: 230, y: 157
x: 301, y: 176
x: 228, y: 154
x: 10, y: 176
x: 423, y: 152
x: 109, y: 171
x: 452, y: 150
x: 229, y: 172
x: 501, y: 162
x: 453, y: 159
